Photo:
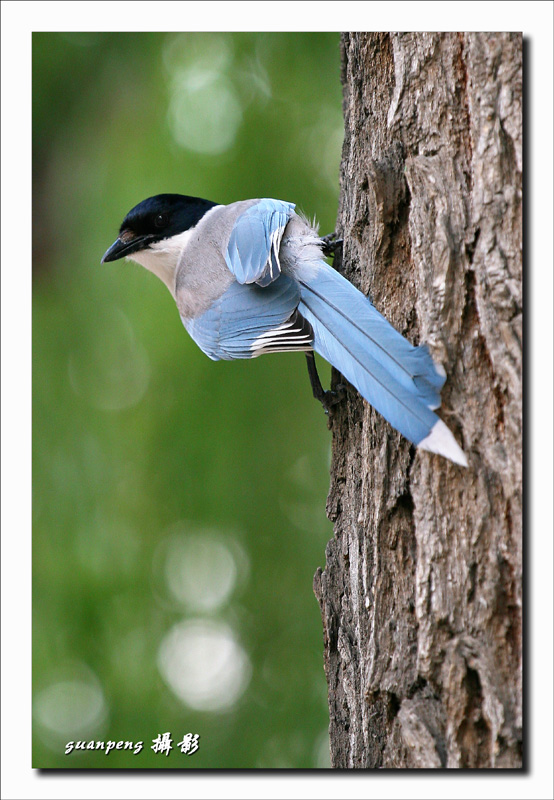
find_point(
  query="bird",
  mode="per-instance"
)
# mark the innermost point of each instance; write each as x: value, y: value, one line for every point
x: 251, y: 277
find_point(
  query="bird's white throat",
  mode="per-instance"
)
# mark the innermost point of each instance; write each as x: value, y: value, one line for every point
x: 162, y: 257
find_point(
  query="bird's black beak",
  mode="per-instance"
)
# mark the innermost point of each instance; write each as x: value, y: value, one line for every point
x: 124, y: 246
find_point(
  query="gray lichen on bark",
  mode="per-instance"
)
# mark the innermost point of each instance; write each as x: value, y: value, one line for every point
x: 421, y: 593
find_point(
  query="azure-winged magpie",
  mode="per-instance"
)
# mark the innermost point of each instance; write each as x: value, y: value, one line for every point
x: 250, y: 278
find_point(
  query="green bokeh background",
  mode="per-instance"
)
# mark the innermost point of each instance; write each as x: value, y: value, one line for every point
x: 173, y: 496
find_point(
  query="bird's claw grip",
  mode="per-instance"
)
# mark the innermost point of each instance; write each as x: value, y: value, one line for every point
x: 331, y: 397
x: 330, y: 244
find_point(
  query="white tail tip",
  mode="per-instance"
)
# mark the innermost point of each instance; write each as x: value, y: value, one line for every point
x: 442, y: 441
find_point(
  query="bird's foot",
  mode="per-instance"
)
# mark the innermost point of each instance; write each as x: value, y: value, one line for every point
x: 330, y: 244
x: 331, y: 397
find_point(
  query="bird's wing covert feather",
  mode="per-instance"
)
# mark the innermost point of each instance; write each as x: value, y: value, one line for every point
x: 249, y: 320
x: 252, y: 253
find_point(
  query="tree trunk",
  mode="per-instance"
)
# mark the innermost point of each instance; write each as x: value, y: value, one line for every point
x: 421, y: 593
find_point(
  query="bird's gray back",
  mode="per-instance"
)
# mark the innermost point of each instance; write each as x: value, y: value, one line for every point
x: 202, y: 274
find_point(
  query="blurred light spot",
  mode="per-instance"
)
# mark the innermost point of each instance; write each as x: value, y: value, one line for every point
x: 254, y: 82
x: 206, y: 50
x: 200, y: 570
x: 204, y: 665
x: 205, y: 111
x: 110, y: 371
x: 70, y: 709
x: 322, y: 144
x: 322, y: 751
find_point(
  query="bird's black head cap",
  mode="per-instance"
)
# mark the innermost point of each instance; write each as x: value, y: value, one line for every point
x: 154, y: 219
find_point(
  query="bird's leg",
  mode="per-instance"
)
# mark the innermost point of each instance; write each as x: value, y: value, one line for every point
x: 327, y: 398
x: 330, y: 244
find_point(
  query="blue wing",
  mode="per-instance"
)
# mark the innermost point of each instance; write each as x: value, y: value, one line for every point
x: 253, y: 251
x: 248, y: 320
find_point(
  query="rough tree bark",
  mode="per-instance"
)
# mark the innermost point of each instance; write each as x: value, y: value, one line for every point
x: 421, y: 593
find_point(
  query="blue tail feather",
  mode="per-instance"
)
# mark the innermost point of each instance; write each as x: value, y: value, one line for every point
x: 396, y: 378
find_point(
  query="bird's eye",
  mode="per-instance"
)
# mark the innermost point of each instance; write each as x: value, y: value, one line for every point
x: 160, y: 221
